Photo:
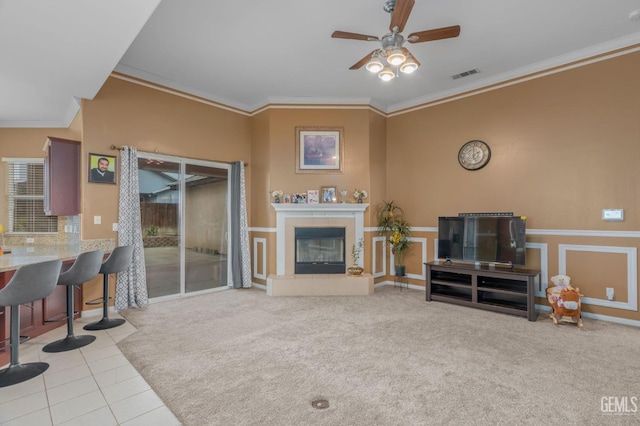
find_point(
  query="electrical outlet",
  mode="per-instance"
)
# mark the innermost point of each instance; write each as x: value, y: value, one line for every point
x: 97, y: 220
x: 30, y: 240
x: 114, y: 227
x: 610, y: 293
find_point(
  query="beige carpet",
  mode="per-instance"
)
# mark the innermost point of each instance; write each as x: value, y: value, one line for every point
x: 239, y: 357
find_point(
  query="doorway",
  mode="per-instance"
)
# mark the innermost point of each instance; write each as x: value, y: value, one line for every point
x: 185, y: 225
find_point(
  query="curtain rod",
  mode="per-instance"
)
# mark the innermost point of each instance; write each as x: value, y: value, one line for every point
x: 155, y: 151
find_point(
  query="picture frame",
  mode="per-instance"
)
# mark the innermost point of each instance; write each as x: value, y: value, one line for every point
x: 96, y: 170
x: 329, y: 194
x: 319, y: 149
x: 313, y: 196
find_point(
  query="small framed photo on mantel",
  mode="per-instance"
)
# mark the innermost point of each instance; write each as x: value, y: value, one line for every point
x: 329, y: 194
x: 319, y: 149
x: 102, y: 168
x: 313, y: 196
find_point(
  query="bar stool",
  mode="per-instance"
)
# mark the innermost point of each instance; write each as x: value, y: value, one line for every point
x: 30, y: 282
x: 118, y: 261
x: 85, y: 268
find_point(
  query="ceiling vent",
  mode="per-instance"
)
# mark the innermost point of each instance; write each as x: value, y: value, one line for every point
x: 465, y: 74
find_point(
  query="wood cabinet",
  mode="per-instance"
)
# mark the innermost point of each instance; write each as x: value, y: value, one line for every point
x: 62, y: 177
x: 506, y: 290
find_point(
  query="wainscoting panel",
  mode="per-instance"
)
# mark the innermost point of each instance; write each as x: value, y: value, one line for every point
x: 262, y: 242
x: 632, y: 273
x: 378, y: 241
x: 423, y: 245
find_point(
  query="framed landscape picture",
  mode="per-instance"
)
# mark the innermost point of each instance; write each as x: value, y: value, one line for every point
x: 319, y: 149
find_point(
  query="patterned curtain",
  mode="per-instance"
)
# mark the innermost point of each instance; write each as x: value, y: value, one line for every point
x: 131, y: 287
x: 240, y: 254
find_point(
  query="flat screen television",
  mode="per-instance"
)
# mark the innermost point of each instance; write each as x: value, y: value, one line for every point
x: 483, y: 238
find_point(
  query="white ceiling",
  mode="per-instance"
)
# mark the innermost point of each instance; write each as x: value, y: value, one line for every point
x: 247, y: 54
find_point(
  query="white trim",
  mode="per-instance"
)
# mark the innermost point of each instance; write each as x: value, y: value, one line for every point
x: 599, y: 317
x: 632, y: 273
x: 263, y: 274
x: 541, y: 282
x: 534, y: 71
x: 585, y: 233
x: 374, y: 241
x: 421, y: 276
x: 260, y: 286
x: 258, y: 229
x: 286, y: 211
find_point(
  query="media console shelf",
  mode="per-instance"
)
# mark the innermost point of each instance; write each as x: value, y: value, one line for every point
x: 505, y: 290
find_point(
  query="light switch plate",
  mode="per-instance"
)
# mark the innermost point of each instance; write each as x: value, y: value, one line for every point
x: 613, y: 215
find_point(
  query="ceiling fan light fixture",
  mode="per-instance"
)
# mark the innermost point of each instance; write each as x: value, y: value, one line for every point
x: 396, y: 57
x: 386, y: 74
x: 409, y: 66
x: 375, y: 65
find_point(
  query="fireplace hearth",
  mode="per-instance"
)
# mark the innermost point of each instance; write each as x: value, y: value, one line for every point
x: 320, y: 250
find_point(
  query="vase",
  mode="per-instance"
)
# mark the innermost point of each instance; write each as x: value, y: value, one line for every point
x: 276, y: 200
x: 359, y: 200
x: 400, y: 270
x: 355, y: 270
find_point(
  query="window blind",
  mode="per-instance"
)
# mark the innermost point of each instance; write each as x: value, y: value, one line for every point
x: 26, y: 197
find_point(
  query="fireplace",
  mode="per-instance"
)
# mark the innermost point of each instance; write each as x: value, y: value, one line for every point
x: 320, y: 250
x: 349, y: 219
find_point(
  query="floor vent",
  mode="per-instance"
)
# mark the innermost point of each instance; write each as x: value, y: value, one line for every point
x: 465, y: 74
x: 320, y: 404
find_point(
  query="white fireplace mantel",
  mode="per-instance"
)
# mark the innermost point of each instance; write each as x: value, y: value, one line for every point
x: 314, y: 211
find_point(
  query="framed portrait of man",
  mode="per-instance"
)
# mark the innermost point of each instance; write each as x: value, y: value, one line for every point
x: 102, y: 168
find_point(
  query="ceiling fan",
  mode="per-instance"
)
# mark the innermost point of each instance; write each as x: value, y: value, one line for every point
x: 392, y: 52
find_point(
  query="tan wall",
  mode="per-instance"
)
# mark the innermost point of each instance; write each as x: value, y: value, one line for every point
x: 124, y: 113
x: 564, y: 147
x: 28, y: 143
x: 282, y: 139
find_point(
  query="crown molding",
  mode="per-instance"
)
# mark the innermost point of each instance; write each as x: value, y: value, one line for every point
x: 593, y: 54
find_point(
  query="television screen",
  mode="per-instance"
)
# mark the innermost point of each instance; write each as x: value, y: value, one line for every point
x: 493, y: 239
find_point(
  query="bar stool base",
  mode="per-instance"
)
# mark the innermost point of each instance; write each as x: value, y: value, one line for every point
x: 19, y: 373
x: 104, y: 323
x: 69, y: 343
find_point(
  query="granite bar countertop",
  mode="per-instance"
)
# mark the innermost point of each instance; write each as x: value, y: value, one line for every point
x: 24, y: 255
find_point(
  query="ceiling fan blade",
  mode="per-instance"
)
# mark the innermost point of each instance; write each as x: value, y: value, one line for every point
x: 436, y: 34
x: 362, y: 61
x: 407, y: 54
x: 353, y: 36
x: 400, y: 14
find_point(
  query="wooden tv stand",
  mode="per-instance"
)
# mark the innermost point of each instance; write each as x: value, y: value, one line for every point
x: 506, y: 290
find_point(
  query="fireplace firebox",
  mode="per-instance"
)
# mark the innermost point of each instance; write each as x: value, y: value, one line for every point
x: 320, y: 250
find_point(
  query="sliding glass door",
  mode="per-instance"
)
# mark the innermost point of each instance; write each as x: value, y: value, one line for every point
x: 205, y: 227
x: 184, y: 211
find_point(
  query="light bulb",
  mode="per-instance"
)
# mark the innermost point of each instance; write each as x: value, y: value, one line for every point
x: 396, y: 57
x: 409, y: 66
x: 375, y: 64
x: 386, y: 74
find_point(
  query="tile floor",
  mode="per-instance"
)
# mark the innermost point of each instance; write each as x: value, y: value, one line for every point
x: 94, y: 385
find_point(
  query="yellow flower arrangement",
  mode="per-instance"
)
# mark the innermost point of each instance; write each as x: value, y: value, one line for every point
x: 391, y: 222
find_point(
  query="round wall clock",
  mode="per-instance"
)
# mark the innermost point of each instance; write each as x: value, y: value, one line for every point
x: 474, y: 155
